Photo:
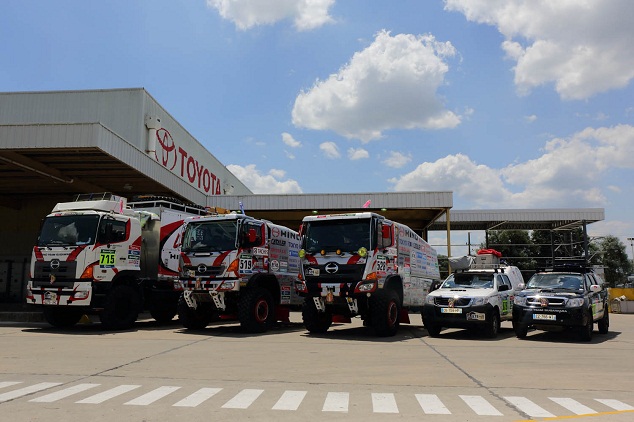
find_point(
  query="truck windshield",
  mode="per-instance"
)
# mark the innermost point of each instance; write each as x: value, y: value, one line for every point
x: 210, y: 236
x: 68, y: 230
x: 348, y: 235
x: 555, y: 281
x: 466, y: 280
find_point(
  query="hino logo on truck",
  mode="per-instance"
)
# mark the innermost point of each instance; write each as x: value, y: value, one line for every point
x: 202, y: 268
x: 331, y: 267
x: 54, y: 264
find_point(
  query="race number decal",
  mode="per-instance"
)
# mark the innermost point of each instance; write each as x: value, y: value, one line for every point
x: 381, y: 263
x: 246, y: 264
x: 107, y: 258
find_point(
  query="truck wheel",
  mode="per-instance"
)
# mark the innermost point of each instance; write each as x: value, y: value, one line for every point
x: 256, y: 310
x: 604, y: 323
x: 385, y: 311
x: 315, y: 322
x: 193, y: 319
x: 493, y: 326
x: 433, y: 330
x: 163, y: 315
x: 585, y: 332
x: 122, y: 308
x: 61, y: 317
x: 521, y: 330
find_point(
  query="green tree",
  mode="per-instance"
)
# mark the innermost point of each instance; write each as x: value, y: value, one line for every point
x: 564, y: 244
x: 515, y: 246
x: 613, y: 256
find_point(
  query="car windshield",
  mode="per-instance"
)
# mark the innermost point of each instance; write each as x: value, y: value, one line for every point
x: 210, y: 236
x: 555, y: 281
x: 68, y: 230
x: 348, y: 235
x: 469, y: 281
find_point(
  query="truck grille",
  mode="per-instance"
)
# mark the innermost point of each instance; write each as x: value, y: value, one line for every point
x: 66, y: 271
x: 552, y: 301
x: 346, y: 273
x: 208, y: 271
x: 444, y: 301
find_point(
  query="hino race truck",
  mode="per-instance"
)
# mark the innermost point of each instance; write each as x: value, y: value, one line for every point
x: 362, y: 264
x: 101, y: 255
x: 236, y: 266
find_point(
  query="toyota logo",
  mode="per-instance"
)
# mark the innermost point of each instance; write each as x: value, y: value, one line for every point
x: 331, y: 267
x: 202, y: 268
x: 54, y: 264
x: 543, y: 301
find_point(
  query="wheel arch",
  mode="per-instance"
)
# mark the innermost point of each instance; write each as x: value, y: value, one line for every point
x: 395, y: 282
x: 268, y: 282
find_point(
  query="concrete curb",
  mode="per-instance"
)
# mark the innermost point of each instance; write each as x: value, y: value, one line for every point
x: 21, y: 317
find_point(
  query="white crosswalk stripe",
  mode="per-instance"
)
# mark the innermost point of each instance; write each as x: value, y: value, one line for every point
x: 531, y: 409
x: 336, y: 402
x: 62, y: 394
x: 384, y: 403
x: 615, y: 404
x: 431, y: 404
x: 198, y: 397
x: 480, y: 406
x: 290, y: 400
x: 243, y: 399
x: 152, y: 396
x: 109, y: 394
x: 573, y: 405
x: 10, y: 395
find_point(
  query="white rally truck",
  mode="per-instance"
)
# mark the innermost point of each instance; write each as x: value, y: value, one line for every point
x: 101, y: 255
x: 234, y: 266
x: 362, y: 264
x: 479, y: 294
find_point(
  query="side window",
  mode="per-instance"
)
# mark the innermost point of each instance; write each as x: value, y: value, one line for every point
x: 588, y: 281
x: 118, y: 231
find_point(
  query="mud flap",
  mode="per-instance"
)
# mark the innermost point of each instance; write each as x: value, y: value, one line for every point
x: 282, y: 314
x: 404, y: 317
x: 341, y: 319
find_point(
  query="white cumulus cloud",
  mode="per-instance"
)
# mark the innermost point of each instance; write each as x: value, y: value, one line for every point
x: 288, y: 139
x: 330, y: 149
x: 245, y: 14
x: 568, y: 173
x: 583, y: 47
x: 357, y: 153
x: 264, y: 183
x: 392, y: 84
x: 397, y: 159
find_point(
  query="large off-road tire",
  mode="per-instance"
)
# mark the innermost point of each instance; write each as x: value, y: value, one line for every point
x: 122, y: 308
x: 585, y: 331
x: 256, y: 310
x: 604, y: 323
x: 433, y: 330
x: 521, y: 330
x: 62, y: 317
x: 385, y: 312
x: 194, y: 319
x: 492, y: 327
x: 163, y: 315
x: 315, y: 322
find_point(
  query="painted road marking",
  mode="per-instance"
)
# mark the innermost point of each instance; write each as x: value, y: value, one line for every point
x: 10, y: 395
x: 384, y: 403
x: 290, y: 400
x: 336, y: 402
x: 431, y: 404
x: 528, y: 407
x: 198, y: 397
x: 243, y: 399
x: 573, y: 405
x: 615, y: 404
x: 108, y: 394
x: 152, y: 396
x: 480, y: 406
x: 62, y: 394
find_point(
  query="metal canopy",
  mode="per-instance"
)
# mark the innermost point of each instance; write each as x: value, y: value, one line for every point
x: 520, y: 219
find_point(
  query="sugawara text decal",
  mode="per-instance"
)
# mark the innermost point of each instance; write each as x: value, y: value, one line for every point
x: 180, y: 162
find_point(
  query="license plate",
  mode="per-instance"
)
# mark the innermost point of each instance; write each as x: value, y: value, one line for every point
x: 450, y: 310
x: 476, y: 316
x: 314, y: 272
x: 50, y: 298
x: 545, y: 317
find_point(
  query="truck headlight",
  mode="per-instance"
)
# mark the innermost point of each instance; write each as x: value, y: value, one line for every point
x: 574, y: 303
x: 226, y: 285
x: 430, y: 300
x: 520, y: 300
x: 478, y: 301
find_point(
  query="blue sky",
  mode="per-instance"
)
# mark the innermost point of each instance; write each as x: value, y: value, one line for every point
x: 507, y: 103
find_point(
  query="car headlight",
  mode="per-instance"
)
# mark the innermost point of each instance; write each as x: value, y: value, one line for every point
x: 574, y: 303
x: 430, y: 300
x: 520, y: 300
x: 478, y: 301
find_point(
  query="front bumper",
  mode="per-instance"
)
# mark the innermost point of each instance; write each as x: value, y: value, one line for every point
x: 558, y: 317
x: 458, y: 317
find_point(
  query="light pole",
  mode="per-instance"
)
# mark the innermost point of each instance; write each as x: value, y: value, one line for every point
x: 631, y: 239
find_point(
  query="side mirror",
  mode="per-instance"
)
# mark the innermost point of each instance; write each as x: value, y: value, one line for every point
x: 252, y: 235
x: 385, y: 232
x: 521, y: 286
x: 595, y: 288
x: 503, y: 288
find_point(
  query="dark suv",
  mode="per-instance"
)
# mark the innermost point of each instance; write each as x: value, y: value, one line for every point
x: 567, y: 296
